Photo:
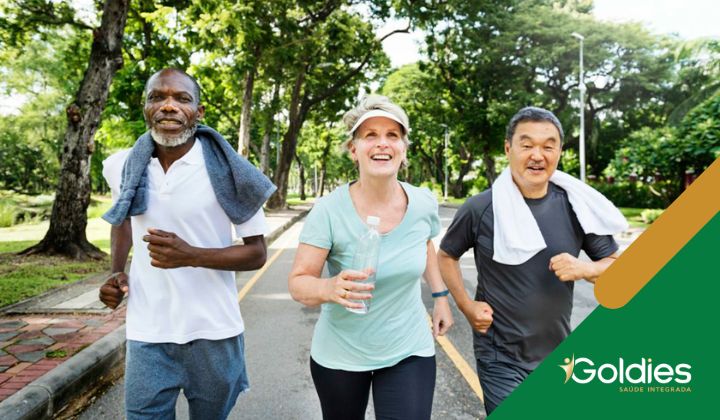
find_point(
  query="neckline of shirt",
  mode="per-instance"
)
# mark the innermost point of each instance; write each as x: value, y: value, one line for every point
x: 358, y: 220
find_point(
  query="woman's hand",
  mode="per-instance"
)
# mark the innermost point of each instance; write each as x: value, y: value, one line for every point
x: 346, y: 287
x: 442, y: 318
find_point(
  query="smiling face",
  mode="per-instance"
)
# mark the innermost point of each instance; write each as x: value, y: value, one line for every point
x: 533, y: 154
x: 171, y: 108
x: 378, y: 147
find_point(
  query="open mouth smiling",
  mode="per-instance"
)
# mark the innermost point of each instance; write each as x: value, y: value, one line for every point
x: 536, y: 168
x: 168, y: 121
x: 381, y: 157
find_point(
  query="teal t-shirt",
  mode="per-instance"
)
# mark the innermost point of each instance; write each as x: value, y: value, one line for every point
x: 396, y: 326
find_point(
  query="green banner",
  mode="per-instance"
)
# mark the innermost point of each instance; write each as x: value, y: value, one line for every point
x: 655, y: 357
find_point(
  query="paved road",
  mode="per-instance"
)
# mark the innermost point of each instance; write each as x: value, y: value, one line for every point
x: 278, y: 335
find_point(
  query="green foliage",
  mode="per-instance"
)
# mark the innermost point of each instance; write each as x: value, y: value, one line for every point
x: 46, y: 70
x: 570, y: 162
x: 667, y: 153
x: 654, y: 99
x: 29, y: 164
x: 634, y: 194
x: 421, y: 97
x: 19, y: 208
x: 699, y: 133
x: 650, y: 215
x: 7, y: 214
x: 320, y: 147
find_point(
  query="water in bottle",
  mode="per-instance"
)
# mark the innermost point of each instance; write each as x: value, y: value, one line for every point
x: 366, y: 258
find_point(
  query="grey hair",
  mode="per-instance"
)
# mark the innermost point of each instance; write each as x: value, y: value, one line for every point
x: 196, y: 85
x: 369, y: 103
x: 531, y: 113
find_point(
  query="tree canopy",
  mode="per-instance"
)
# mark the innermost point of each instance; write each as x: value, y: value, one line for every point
x: 276, y: 77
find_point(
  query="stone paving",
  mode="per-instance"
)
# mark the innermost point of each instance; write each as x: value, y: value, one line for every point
x: 32, y: 345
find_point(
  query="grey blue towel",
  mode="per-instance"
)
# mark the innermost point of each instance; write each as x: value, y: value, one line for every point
x: 240, y: 188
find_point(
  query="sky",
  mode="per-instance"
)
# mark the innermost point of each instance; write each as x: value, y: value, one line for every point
x: 687, y: 18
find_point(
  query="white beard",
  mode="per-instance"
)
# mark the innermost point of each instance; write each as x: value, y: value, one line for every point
x: 173, y: 141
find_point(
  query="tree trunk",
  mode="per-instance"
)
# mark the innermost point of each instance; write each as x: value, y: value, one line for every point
x: 269, y: 122
x: 489, y: 164
x: 297, y: 112
x: 246, y: 115
x: 301, y: 169
x: 323, y: 166
x: 458, y: 188
x: 66, y: 234
x: 321, y: 191
x: 244, y: 132
x: 265, y: 151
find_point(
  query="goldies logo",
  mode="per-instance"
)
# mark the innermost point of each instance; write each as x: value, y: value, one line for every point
x: 642, y: 376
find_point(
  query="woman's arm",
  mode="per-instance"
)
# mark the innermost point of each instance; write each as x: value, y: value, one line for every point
x: 442, y: 316
x: 308, y: 288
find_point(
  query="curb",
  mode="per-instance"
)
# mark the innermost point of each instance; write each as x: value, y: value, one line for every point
x: 279, y: 231
x: 55, y: 390
x: 50, y: 393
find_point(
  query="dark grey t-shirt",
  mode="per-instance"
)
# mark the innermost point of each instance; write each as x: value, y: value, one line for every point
x: 531, y: 306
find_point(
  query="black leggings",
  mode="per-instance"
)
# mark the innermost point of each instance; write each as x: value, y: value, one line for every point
x: 403, y: 391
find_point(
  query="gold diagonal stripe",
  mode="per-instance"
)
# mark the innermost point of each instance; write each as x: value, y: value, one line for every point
x: 656, y: 246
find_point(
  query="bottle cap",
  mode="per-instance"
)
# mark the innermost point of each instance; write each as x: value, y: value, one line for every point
x: 373, y: 220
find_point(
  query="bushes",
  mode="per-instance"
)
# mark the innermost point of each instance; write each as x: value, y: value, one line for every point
x: 19, y: 208
x: 635, y: 194
x: 7, y: 214
x: 650, y: 215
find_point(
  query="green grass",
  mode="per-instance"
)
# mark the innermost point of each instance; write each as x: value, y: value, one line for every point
x: 294, y: 199
x: 56, y: 354
x: 17, y: 209
x: 23, y: 277
x: 634, y: 216
x: 99, y: 204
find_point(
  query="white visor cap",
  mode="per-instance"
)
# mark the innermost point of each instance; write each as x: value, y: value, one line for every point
x: 378, y: 113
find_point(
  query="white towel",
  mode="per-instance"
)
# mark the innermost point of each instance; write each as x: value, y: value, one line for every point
x: 517, y: 237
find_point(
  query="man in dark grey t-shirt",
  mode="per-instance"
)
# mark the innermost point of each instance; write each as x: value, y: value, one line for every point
x: 522, y: 312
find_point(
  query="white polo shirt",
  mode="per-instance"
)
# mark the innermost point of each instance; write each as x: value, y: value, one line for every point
x: 181, y: 304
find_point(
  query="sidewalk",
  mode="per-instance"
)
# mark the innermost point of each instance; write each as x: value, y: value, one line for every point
x: 61, y: 344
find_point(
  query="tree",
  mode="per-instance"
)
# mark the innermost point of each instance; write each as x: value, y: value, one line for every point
x: 66, y: 234
x: 334, y: 48
x: 45, y: 72
x: 423, y: 99
x: 473, y: 60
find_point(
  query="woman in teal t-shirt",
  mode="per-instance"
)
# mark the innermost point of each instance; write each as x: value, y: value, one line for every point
x: 389, y: 349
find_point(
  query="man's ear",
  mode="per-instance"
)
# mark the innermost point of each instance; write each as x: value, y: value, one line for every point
x: 507, y: 147
x: 200, y: 112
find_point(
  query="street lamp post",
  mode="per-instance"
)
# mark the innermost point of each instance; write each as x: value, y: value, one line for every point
x: 582, y: 108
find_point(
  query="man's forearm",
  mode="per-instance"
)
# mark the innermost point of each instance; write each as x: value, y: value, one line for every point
x: 247, y: 257
x: 451, y: 274
x: 597, y: 268
x: 120, y: 245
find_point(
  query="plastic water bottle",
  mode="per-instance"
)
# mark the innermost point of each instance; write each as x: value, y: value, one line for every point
x: 366, y: 258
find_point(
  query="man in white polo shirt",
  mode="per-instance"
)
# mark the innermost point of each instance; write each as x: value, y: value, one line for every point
x: 178, y: 195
